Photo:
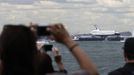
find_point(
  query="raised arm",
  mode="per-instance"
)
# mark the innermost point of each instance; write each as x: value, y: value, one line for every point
x: 58, y: 60
x: 61, y: 35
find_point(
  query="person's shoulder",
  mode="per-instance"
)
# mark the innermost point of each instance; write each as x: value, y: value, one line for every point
x: 116, y: 72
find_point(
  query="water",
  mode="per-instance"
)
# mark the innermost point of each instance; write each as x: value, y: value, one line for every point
x: 106, y: 55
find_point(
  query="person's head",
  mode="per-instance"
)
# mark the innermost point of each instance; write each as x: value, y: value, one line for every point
x: 129, y: 49
x: 46, y: 65
x: 18, y: 45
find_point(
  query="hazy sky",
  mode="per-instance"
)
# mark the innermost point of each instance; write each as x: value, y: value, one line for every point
x: 79, y: 16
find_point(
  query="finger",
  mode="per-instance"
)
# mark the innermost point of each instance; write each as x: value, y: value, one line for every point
x: 59, y: 25
x: 54, y: 52
x: 50, y: 28
x: 51, y: 37
x: 62, y: 26
x: 31, y: 23
x: 56, y: 26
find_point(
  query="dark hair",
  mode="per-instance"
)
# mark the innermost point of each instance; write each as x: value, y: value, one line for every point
x: 129, y: 48
x: 18, y: 45
x: 46, y: 65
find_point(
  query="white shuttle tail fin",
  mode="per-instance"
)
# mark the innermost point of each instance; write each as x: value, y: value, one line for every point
x: 96, y: 27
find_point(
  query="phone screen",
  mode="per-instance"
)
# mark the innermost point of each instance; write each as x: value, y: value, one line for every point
x: 42, y: 31
x: 48, y: 47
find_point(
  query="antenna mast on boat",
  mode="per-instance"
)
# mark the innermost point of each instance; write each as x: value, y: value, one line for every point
x: 96, y: 27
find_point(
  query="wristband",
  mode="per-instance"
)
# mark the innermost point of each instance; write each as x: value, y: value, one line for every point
x: 73, y: 46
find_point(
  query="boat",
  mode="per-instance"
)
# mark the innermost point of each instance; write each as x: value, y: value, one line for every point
x: 99, y: 35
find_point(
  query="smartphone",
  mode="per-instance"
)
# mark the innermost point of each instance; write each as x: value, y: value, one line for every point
x: 42, y: 31
x: 48, y: 47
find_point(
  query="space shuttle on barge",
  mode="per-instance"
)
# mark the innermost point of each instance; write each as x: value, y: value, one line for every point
x: 99, y: 35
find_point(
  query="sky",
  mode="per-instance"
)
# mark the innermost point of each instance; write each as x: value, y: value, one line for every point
x: 78, y: 16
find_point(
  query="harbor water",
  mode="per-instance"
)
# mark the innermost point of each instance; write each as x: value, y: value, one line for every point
x: 107, y: 55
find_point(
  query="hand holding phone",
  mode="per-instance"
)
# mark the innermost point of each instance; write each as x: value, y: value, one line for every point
x: 57, y: 56
x: 56, y: 51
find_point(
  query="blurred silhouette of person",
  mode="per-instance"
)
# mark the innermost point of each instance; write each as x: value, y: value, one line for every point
x: 17, y: 50
x: 19, y: 54
x: 128, y: 68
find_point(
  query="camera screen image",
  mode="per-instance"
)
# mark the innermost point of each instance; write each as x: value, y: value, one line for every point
x: 48, y: 47
x: 42, y: 31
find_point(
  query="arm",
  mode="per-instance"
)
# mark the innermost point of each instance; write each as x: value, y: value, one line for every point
x: 58, y: 60
x: 82, y: 58
x: 61, y: 35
